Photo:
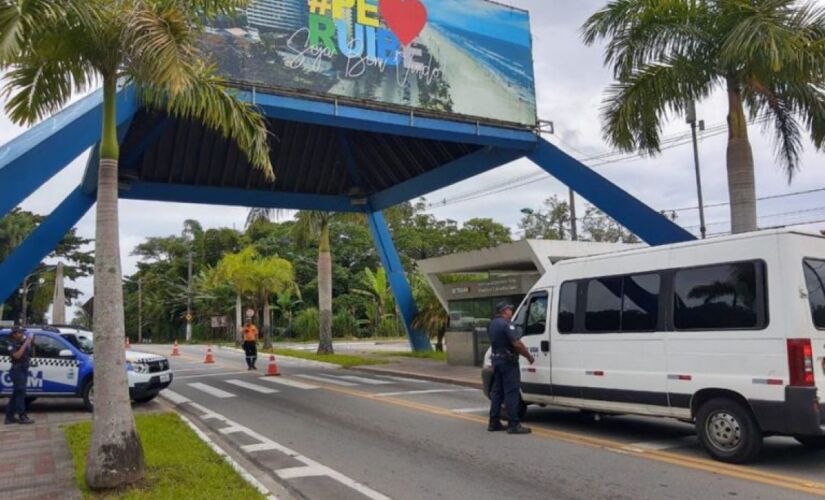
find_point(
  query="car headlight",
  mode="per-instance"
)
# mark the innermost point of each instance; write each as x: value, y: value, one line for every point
x: 140, y: 367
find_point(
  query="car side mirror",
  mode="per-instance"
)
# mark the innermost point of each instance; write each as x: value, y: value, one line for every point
x: 65, y: 353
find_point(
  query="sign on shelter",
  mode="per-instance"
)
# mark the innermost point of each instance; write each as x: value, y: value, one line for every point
x: 470, y: 59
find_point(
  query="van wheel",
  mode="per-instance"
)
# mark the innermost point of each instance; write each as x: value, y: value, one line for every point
x: 728, y: 431
x: 814, y: 442
x: 88, y: 395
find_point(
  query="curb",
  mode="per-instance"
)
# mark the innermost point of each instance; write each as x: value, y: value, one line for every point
x: 422, y: 376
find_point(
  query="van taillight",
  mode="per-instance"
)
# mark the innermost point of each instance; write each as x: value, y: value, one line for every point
x: 801, y: 362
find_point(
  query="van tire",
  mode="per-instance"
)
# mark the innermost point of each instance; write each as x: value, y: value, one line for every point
x: 813, y: 442
x: 728, y: 431
x: 88, y: 395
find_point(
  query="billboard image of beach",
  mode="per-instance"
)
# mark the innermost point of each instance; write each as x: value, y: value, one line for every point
x: 468, y: 58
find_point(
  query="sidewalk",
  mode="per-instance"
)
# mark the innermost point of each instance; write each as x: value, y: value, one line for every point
x: 428, y: 369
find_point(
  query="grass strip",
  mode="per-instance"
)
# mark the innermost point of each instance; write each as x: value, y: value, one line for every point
x: 345, y: 360
x: 438, y: 356
x: 178, y: 464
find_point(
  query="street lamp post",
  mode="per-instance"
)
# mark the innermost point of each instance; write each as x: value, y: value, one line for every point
x: 24, y: 293
x: 691, y: 119
x: 190, y: 237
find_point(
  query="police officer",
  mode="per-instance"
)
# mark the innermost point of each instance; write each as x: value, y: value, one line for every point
x: 250, y: 344
x: 20, y: 353
x: 506, y: 344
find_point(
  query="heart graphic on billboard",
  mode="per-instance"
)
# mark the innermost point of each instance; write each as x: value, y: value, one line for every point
x: 406, y: 18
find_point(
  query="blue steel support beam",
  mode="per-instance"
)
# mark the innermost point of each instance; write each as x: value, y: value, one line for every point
x: 398, y: 280
x: 236, y: 197
x: 649, y: 225
x: 386, y: 122
x: 42, y: 241
x: 38, y: 154
x: 463, y: 168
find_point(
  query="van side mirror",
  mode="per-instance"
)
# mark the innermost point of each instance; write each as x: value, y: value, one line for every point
x: 65, y: 353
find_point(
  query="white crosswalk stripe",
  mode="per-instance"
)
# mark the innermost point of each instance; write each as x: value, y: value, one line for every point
x: 212, y: 391
x: 405, y: 379
x: 326, y: 380
x: 288, y: 383
x: 363, y: 380
x: 252, y: 387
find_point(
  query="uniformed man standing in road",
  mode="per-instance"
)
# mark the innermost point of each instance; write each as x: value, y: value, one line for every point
x: 506, y: 344
x: 20, y: 354
x: 250, y: 344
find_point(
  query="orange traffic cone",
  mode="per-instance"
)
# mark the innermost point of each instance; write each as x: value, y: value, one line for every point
x: 209, y: 357
x: 175, y: 349
x: 128, y: 344
x: 272, y: 368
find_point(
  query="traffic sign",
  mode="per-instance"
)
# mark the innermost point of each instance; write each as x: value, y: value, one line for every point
x: 250, y: 313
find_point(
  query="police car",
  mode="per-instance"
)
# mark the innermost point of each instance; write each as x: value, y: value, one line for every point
x: 63, y: 367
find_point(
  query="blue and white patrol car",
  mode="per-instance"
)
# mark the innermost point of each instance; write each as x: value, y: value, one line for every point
x: 63, y: 367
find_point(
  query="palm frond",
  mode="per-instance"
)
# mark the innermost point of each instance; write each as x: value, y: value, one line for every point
x: 19, y: 19
x: 205, y: 98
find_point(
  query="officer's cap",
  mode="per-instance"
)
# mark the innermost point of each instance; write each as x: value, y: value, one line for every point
x: 503, y: 306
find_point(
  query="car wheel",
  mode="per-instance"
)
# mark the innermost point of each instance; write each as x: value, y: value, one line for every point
x: 145, y: 399
x: 728, y: 431
x: 814, y: 442
x: 89, y: 395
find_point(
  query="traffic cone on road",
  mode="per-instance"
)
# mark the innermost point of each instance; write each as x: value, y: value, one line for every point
x: 175, y: 349
x: 210, y: 358
x: 272, y: 368
x: 128, y: 344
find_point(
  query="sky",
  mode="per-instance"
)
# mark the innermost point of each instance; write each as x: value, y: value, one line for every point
x: 571, y: 80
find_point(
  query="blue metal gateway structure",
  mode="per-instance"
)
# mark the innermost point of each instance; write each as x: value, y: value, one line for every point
x: 357, y: 126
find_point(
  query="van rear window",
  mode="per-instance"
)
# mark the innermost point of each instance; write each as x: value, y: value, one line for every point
x: 815, y: 279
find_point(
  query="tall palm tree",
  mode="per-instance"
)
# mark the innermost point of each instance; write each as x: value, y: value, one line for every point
x: 768, y: 55
x: 51, y: 50
x: 272, y: 276
x: 432, y: 317
x: 238, y: 269
x: 377, y: 286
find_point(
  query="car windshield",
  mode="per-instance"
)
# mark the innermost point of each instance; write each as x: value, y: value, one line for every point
x: 84, y: 344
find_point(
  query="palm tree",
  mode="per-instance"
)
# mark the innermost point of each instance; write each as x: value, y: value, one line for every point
x: 768, y: 55
x: 51, y: 50
x: 271, y: 276
x: 377, y: 286
x: 432, y: 317
x: 238, y: 269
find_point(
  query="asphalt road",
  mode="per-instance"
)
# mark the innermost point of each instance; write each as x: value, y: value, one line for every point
x: 327, y: 432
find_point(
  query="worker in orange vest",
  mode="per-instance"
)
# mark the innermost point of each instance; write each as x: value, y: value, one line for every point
x: 250, y: 344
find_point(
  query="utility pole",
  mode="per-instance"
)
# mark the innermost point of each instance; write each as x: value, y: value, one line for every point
x: 140, y: 310
x: 691, y: 119
x: 24, y: 292
x: 189, y: 298
x: 574, y: 230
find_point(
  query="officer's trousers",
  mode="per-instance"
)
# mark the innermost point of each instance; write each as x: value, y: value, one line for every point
x: 506, y: 390
x: 251, y: 350
x: 19, y: 375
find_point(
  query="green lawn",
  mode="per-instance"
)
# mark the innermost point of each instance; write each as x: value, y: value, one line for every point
x: 178, y: 464
x: 438, y: 356
x: 345, y: 360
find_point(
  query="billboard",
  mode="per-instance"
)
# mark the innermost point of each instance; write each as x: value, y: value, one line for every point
x: 466, y: 58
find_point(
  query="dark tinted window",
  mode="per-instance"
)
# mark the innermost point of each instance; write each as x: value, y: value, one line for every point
x: 640, y: 303
x: 604, y: 305
x: 723, y: 297
x: 47, y: 347
x: 815, y: 279
x: 567, y: 307
x: 536, y: 323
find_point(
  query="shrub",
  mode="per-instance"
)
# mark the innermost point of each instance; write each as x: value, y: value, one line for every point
x: 344, y: 325
x: 307, y: 324
x: 389, y: 327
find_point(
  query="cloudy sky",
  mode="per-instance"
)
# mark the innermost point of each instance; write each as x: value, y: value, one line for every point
x: 571, y: 80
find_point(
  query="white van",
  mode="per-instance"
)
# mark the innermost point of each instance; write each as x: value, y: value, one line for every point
x: 727, y: 333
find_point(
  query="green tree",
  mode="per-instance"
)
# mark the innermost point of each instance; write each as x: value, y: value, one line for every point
x: 53, y: 50
x: 549, y: 224
x: 432, y: 318
x: 376, y: 286
x: 271, y: 275
x: 768, y: 55
x: 239, y: 270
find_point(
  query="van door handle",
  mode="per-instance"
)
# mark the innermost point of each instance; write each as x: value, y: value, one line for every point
x: 545, y: 346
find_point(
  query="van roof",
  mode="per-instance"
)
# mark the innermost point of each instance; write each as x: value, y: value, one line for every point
x: 696, y: 243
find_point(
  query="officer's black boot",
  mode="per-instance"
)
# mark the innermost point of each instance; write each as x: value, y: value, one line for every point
x: 24, y: 419
x: 519, y: 429
x: 495, y: 425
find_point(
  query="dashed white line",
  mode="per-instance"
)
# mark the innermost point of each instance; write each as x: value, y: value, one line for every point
x: 204, y: 375
x: 174, y: 397
x: 471, y: 410
x: 363, y: 380
x: 212, y: 391
x: 404, y: 379
x: 415, y: 393
x: 251, y: 387
x: 288, y: 382
x: 326, y: 380
x: 303, y: 471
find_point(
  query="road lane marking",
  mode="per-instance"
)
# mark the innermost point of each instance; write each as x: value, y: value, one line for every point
x: 405, y: 379
x: 363, y: 380
x: 212, y: 391
x: 302, y: 471
x: 471, y: 410
x: 672, y: 458
x: 326, y: 380
x: 251, y: 387
x: 665, y: 444
x: 289, y: 383
x: 204, y: 375
x: 174, y: 397
x: 415, y: 393
x: 252, y: 448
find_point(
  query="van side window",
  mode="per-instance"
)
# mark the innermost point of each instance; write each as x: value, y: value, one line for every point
x: 604, y: 305
x: 567, y: 306
x: 640, y: 303
x: 815, y: 279
x: 720, y: 297
x: 536, y: 323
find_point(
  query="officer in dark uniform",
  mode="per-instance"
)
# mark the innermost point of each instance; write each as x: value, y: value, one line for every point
x: 506, y: 344
x: 20, y: 354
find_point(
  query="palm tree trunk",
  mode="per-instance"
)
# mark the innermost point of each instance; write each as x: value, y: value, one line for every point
x: 741, y: 182
x: 325, y: 291
x: 238, y: 318
x: 115, y: 455
x: 267, y: 324
x: 2, y: 310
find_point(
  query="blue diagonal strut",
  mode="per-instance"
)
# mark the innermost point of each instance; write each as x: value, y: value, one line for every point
x: 649, y: 225
x: 42, y: 241
x: 398, y: 280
